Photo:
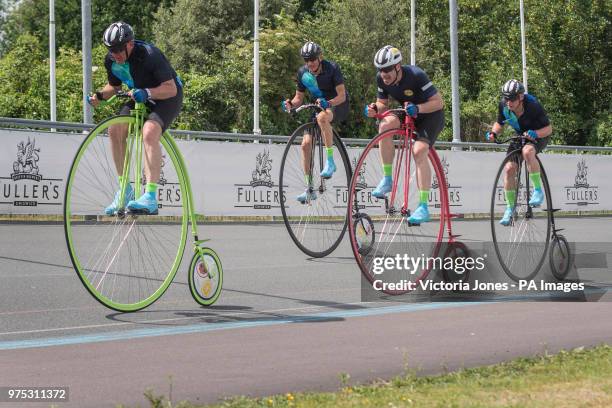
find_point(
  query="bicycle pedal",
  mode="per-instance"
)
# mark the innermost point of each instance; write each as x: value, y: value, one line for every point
x: 457, y: 215
x: 559, y: 230
x: 142, y: 212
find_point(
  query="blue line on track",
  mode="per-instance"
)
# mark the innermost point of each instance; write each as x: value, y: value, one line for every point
x: 207, y: 327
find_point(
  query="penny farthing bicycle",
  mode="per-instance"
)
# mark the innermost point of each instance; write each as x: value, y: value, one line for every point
x: 390, y: 234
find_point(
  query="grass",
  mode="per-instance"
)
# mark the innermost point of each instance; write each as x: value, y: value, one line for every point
x: 577, y: 378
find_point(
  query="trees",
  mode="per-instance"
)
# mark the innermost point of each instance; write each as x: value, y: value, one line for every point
x: 210, y: 45
x: 32, y: 16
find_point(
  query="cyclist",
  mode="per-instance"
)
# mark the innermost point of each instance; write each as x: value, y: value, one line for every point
x: 527, y: 117
x: 324, y: 80
x: 410, y: 86
x: 151, y: 80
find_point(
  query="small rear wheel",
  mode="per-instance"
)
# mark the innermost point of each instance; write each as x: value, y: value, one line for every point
x: 560, y: 257
x: 205, y: 276
x: 363, y: 230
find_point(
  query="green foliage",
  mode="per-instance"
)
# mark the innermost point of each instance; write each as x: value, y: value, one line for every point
x: 222, y: 100
x: 32, y: 16
x: 210, y: 44
x: 24, y: 86
x: 193, y: 29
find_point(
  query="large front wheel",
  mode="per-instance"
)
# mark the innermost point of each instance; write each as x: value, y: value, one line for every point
x: 400, y: 252
x: 125, y: 261
x: 521, y: 242
x: 316, y: 224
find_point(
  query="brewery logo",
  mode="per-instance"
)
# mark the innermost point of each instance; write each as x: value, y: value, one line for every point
x: 263, y: 166
x: 26, y: 186
x: 361, y: 180
x: 260, y: 193
x: 454, y: 192
x: 435, y: 183
x: 581, y: 175
x: 581, y: 193
x: 26, y: 165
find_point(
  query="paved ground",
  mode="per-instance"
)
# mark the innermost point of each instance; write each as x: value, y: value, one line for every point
x: 283, y: 323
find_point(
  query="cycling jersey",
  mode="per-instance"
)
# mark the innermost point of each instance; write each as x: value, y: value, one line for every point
x: 326, y: 81
x: 534, y: 116
x: 146, y: 67
x: 415, y: 86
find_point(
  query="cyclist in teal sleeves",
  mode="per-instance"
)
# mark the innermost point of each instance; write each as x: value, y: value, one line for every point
x: 151, y: 80
x: 525, y: 114
x: 324, y: 81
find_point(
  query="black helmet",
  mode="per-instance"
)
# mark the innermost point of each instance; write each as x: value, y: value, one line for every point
x: 512, y: 89
x: 310, y: 50
x: 117, y: 35
x: 387, y: 56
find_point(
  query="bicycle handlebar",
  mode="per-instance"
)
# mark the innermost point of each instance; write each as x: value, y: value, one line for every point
x: 389, y: 112
x: 515, y: 137
x: 120, y: 95
x: 311, y: 106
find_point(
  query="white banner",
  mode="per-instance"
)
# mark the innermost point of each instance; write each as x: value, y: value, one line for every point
x: 241, y: 179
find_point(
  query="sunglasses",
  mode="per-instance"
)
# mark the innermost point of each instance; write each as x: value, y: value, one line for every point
x: 312, y: 59
x: 386, y: 70
x: 117, y: 49
x: 511, y: 98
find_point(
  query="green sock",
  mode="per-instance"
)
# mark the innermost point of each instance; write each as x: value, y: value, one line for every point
x: 387, y: 169
x: 308, y: 179
x: 423, y: 196
x: 536, y: 179
x: 510, y: 197
x: 120, y: 180
x: 330, y: 152
x: 151, y: 188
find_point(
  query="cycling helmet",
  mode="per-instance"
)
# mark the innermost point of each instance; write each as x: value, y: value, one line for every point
x: 310, y: 50
x: 117, y: 35
x: 512, y: 89
x: 387, y: 56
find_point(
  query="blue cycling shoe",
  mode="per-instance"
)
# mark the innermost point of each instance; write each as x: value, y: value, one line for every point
x: 383, y: 188
x: 307, y: 196
x: 114, y: 207
x: 537, y: 198
x: 507, y: 218
x: 146, y: 204
x: 329, y: 169
x: 420, y: 215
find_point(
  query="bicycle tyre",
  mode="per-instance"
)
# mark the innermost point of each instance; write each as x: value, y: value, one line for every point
x: 316, y: 228
x: 520, y: 247
x: 125, y: 262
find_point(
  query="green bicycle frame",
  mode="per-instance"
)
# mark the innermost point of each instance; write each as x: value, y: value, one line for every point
x: 135, y: 141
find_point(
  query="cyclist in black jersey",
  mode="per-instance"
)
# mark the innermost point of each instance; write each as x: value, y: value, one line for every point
x: 525, y: 114
x: 410, y: 86
x: 151, y: 80
x: 324, y: 80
